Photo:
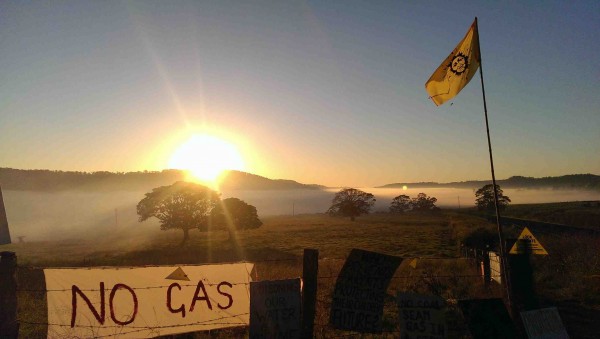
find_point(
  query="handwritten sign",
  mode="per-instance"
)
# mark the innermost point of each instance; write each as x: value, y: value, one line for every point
x: 143, y: 302
x: 421, y: 316
x: 360, y: 291
x: 275, y: 309
x: 544, y: 323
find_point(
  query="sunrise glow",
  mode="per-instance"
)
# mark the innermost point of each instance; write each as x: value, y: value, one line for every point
x: 206, y: 157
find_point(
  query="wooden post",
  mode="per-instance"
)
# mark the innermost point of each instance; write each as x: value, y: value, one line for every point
x: 310, y: 269
x: 9, y: 328
x: 487, y: 274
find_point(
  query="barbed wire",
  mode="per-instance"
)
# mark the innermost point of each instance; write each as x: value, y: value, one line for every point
x: 129, y: 267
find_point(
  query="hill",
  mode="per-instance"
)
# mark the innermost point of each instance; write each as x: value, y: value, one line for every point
x: 53, y: 181
x: 572, y: 181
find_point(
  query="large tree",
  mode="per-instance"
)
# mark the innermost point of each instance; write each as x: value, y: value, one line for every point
x: 234, y: 214
x: 484, y: 198
x: 182, y: 205
x: 351, y: 202
x: 400, y: 204
x: 423, y: 203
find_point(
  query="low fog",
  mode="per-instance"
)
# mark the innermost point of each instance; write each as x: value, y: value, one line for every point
x: 41, y: 216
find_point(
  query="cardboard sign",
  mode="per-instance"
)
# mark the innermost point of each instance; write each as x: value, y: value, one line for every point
x: 527, y: 243
x: 4, y: 233
x: 143, y: 302
x: 544, y: 323
x: 275, y: 309
x: 421, y: 316
x: 488, y: 318
x: 360, y: 291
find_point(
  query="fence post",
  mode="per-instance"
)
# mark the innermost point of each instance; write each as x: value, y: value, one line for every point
x: 310, y: 269
x: 9, y: 328
x: 486, y: 269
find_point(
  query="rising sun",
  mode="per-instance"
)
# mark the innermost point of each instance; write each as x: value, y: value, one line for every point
x: 206, y: 157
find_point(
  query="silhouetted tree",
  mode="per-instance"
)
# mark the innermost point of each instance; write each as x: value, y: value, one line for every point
x: 423, y: 203
x: 182, y: 205
x: 351, y: 202
x: 400, y: 204
x: 234, y: 214
x: 484, y: 198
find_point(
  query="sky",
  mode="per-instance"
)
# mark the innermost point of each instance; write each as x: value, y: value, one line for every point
x: 325, y: 92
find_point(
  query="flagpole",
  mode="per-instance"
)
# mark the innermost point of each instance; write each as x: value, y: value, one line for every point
x: 505, y: 272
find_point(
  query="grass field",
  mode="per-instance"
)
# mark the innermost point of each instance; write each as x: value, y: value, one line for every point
x: 434, y: 239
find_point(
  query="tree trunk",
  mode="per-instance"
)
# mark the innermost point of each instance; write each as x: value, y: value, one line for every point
x: 352, y: 218
x: 186, y: 236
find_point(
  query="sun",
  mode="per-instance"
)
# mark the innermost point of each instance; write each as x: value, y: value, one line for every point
x: 206, y: 157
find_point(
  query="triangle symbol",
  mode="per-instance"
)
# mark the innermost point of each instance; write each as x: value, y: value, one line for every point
x: 178, y: 274
x: 413, y: 263
x: 534, y: 246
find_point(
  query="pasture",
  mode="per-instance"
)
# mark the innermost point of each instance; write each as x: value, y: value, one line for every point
x: 277, y: 247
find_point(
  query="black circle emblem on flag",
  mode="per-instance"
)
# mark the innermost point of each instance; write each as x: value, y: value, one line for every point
x: 459, y: 64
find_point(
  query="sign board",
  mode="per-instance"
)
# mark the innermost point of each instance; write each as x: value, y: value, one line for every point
x: 527, y: 243
x: 487, y: 318
x: 544, y: 323
x: 421, y: 316
x: 4, y: 233
x: 360, y: 290
x: 495, y: 267
x: 143, y: 302
x: 275, y: 309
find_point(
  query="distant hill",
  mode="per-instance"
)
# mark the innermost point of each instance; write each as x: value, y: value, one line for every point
x: 51, y: 181
x: 572, y: 181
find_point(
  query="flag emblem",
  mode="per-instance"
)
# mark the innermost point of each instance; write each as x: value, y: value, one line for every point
x: 457, y: 70
x: 459, y: 64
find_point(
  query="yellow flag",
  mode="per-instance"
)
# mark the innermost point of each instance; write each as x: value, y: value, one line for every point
x: 457, y: 70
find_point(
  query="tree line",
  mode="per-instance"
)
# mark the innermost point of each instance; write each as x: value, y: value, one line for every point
x: 187, y: 206
x: 352, y: 202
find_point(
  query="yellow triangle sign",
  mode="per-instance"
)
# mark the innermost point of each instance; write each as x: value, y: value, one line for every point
x: 531, y: 244
x: 178, y: 274
x: 413, y: 263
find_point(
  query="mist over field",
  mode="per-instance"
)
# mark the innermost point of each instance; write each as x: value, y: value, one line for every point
x: 40, y: 216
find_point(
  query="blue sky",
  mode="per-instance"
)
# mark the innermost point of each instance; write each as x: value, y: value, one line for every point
x: 319, y: 92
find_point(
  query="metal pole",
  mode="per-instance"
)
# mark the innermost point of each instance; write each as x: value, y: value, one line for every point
x: 505, y: 272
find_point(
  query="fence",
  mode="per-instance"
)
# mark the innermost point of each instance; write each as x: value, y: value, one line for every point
x: 316, y: 291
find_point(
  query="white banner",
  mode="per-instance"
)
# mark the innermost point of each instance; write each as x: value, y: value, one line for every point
x: 142, y: 302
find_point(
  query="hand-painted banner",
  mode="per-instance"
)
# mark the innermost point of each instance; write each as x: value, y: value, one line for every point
x: 360, y: 291
x: 275, y: 308
x: 144, y: 302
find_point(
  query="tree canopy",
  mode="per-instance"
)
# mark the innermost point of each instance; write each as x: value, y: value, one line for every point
x: 400, y: 204
x: 423, y: 203
x: 351, y: 202
x: 484, y: 198
x: 234, y: 214
x: 182, y: 205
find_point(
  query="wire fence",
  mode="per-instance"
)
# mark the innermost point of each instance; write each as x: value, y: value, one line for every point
x: 327, y: 278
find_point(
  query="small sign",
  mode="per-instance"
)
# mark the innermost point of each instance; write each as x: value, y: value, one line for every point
x: 275, y: 310
x: 527, y: 243
x: 421, y: 316
x: 487, y: 318
x: 360, y: 291
x: 4, y: 233
x: 544, y: 323
x: 413, y: 263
